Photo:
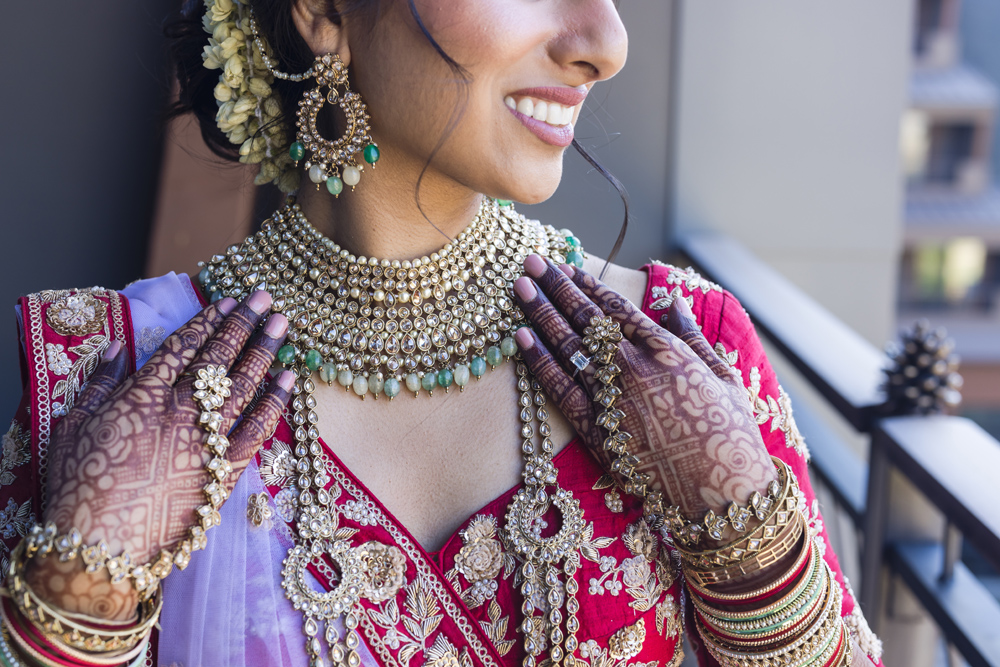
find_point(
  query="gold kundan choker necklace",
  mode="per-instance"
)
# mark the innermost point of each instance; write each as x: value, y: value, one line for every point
x: 377, y: 326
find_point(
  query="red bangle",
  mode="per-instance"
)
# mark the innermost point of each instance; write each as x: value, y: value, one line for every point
x: 791, y: 581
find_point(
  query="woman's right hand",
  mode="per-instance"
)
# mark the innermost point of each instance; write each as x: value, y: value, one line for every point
x: 127, y: 464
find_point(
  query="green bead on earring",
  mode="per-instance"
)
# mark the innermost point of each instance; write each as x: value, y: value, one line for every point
x: 372, y: 154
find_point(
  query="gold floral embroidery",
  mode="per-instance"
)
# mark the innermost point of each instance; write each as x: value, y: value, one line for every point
x: 642, y: 582
x: 259, y: 509
x: 778, y: 411
x: 480, y: 561
x: 277, y: 464
x: 612, y: 499
x: 496, y: 629
x: 88, y: 355
x: 16, y: 452
x: 664, y: 296
x: 623, y: 645
x: 691, y: 280
x: 860, y: 631
x: 444, y: 654
x: 55, y: 355
x: 419, y: 623
x: 730, y: 358
x: 14, y: 522
x: 384, y: 570
x: 78, y: 314
x: 668, y: 618
x: 627, y: 642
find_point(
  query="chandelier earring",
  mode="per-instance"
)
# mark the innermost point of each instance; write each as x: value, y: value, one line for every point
x: 339, y: 162
x: 336, y: 163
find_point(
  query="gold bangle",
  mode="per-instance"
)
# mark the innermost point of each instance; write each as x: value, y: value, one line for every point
x: 808, y: 548
x: 752, y: 562
x: 812, y: 574
x: 769, y: 640
x: 70, y: 632
x: 804, y: 647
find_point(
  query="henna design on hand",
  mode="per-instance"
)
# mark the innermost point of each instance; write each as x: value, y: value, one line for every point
x: 692, y: 424
x: 127, y: 463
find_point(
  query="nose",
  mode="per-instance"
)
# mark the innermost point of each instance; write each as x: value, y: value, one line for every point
x: 593, y: 42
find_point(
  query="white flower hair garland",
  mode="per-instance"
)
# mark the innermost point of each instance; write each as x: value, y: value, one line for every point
x: 244, y: 94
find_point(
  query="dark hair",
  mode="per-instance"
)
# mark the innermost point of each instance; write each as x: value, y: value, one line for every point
x: 274, y: 21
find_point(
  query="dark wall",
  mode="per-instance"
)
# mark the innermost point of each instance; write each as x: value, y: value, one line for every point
x: 83, y: 88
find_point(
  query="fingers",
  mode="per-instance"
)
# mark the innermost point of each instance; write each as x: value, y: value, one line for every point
x: 567, y: 394
x: 567, y: 297
x: 680, y: 321
x: 224, y: 346
x: 180, y: 348
x: 107, y: 377
x: 552, y: 327
x: 627, y: 314
x: 258, y: 426
x: 250, y: 370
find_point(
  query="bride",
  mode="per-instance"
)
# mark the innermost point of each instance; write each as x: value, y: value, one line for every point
x: 402, y: 424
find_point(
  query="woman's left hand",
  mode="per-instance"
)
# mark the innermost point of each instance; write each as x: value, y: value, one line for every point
x: 689, y: 415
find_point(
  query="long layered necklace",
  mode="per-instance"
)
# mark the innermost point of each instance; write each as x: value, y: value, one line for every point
x: 351, y: 312
x: 377, y: 326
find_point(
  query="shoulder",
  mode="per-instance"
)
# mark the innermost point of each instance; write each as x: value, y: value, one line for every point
x: 630, y: 283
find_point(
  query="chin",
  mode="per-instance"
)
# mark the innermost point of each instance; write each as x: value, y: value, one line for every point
x: 533, y: 186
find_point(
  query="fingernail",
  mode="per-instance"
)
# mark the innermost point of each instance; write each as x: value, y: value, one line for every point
x: 286, y: 380
x: 525, y: 289
x: 226, y: 305
x: 259, y: 302
x: 684, y: 308
x: 524, y: 338
x: 535, y: 265
x: 277, y: 326
x: 567, y: 269
x: 113, y: 349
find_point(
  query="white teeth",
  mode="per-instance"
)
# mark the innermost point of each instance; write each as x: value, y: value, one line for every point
x: 548, y: 112
x: 568, y: 115
x: 555, y: 115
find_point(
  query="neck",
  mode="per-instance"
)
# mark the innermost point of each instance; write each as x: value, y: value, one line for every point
x: 382, y: 218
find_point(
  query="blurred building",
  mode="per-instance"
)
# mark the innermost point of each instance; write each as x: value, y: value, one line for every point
x: 950, y: 269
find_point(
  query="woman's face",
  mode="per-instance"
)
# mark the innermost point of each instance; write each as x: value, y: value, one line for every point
x: 531, y: 63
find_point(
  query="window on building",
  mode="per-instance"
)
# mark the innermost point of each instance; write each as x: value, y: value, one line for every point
x: 958, y: 274
x: 950, y: 150
x: 929, y: 15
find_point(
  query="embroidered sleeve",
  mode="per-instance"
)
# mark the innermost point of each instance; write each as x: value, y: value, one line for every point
x: 728, y: 327
x: 16, y: 483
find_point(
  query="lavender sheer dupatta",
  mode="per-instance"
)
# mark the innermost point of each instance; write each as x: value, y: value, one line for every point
x: 227, y: 609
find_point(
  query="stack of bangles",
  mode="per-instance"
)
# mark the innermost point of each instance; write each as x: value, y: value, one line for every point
x: 34, y: 632
x: 792, y: 620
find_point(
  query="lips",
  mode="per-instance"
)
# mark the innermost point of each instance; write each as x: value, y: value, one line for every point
x: 548, y: 112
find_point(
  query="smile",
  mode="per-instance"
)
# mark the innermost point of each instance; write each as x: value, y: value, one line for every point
x: 552, y: 113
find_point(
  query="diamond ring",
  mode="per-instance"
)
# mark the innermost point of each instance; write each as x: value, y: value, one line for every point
x: 580, y: 360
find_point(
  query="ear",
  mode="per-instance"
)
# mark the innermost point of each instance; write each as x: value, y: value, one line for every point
x: 322, y: 28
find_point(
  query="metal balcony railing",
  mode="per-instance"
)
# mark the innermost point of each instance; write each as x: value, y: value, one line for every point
x: 951, y: 460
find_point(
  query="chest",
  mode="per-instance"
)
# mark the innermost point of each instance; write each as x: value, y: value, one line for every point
x: 433, y: 461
